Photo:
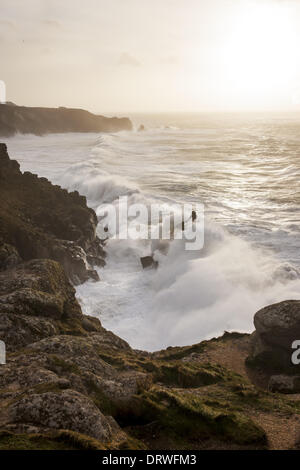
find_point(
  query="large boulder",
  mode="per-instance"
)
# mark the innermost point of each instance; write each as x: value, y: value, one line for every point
x: 276, y: 328
x: 9, y: 256
x: 279, y: 324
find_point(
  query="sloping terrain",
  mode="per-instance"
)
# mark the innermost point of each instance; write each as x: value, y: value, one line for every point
x: 70, y: 384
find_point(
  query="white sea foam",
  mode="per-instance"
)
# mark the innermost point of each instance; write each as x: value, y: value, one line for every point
x: 246, y: 174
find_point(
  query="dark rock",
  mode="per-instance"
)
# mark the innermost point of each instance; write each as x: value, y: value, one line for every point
x: 148, y: 262
x: 69, y: 383
x: 141, y: 128
x: 37, y: 301
x: 279, y: 324
x: 66, y: 410
x: 60, y: 380
x: 9, y: 256
x: 284, y: 383
x: 39, y: 121
x: 277, y: 327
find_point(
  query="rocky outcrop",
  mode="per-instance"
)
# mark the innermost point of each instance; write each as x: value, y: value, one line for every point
x: 39, y: 121
x: 284, y: 383
x: 276, y: 328
x: 39, y: 220
x: 69, y: 383
x: 54, y: 378
x: 54, y: 410
x: 148, y: 262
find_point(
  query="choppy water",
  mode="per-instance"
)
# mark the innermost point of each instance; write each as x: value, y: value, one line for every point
x: 245, y: 169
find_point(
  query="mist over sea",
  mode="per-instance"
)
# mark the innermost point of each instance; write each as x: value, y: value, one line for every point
x: 245, y: 169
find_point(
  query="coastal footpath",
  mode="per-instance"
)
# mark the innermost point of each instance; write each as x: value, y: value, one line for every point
x: 68, y: 383
x: 40, y: 121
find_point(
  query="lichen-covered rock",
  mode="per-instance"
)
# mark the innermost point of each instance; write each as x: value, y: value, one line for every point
x: 20, y: 330
x: 68, y: 383
x: 33, y: 120
x: 9, y: 256
x: 66, y: 410
x: 277, y: 327
x: 284, y: 383
x: 37, y: 301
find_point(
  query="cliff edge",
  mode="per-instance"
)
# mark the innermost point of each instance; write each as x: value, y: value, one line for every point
x: 40, y: 220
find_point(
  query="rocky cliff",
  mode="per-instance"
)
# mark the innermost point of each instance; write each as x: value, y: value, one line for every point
x: 39, y: 220
x: 39, y: 121
x: 68, y: 383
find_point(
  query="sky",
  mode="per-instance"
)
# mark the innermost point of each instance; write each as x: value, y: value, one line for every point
x: 118, y: 56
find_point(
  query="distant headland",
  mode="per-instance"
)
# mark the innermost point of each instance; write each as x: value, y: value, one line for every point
x: 39, y: 121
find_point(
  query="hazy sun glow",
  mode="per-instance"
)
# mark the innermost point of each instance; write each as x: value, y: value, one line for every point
x: 260, y: 56
x: 149, y: 56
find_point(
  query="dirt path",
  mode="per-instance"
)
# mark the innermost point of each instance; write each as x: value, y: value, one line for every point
x: 283, y: 431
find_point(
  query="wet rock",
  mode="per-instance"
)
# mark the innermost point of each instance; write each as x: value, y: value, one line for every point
x: 279, y: 324
x: 148, y: 262
x: 38, y: 287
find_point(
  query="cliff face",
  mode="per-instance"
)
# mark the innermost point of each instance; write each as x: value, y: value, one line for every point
x: 68, y: 383
x: 39, y: 121
x: 39, y: 220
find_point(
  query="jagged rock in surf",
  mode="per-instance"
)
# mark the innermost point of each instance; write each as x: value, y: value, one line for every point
x: 148, y: 262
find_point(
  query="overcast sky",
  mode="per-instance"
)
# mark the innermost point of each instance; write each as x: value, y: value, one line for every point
x: 119, y: 56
